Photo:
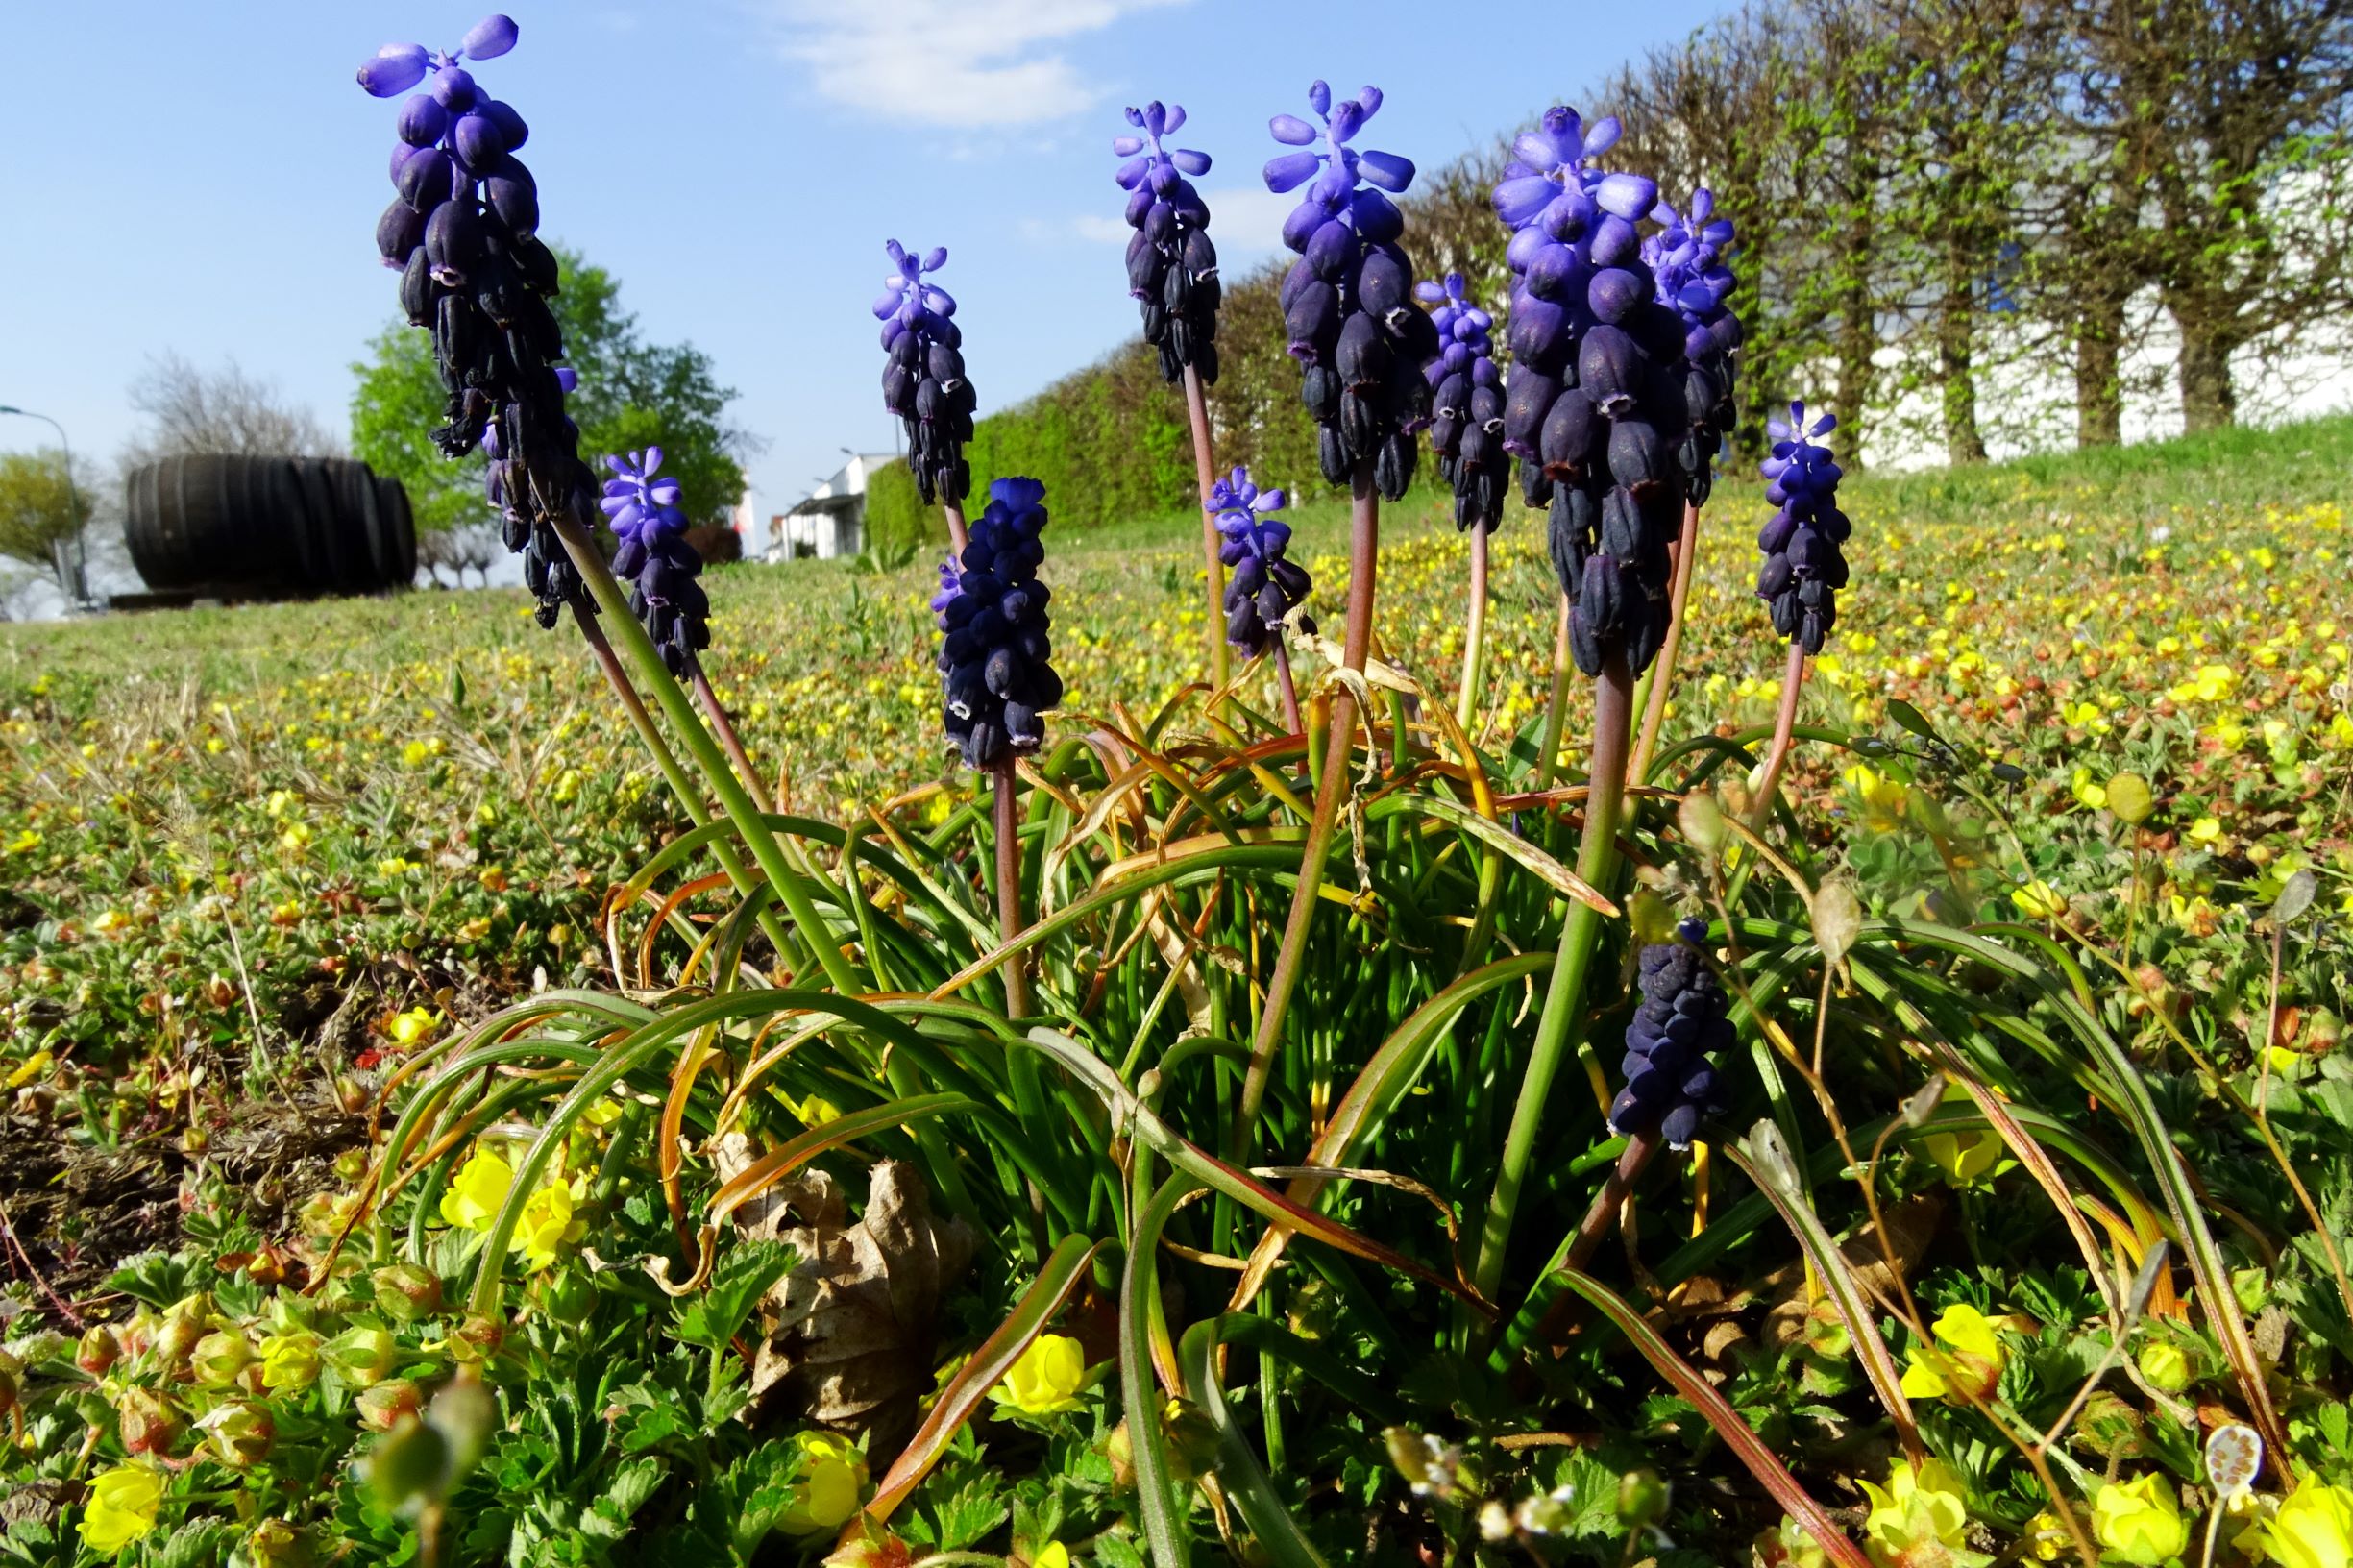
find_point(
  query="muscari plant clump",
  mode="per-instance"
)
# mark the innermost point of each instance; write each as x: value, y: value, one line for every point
x: 1595, y: 403
x: 996, y: 653
x: 1803, y: 567
x: 923, y: 381
x: 1265, y: 586
x: 1466, y: 434
x: 1347, y: 302
x: 1171, y: 262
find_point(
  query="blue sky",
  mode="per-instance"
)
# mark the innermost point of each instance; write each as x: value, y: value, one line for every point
x: 204, y: 178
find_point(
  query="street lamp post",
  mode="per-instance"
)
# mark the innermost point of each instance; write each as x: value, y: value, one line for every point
x: 67, y: 557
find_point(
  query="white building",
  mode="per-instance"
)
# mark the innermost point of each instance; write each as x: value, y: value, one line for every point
x: 830, y: 520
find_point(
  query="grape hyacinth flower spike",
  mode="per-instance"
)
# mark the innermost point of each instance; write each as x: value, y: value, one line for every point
x: 1266, y: 586
x: 996, y: 653
x: 1803, y: 567
x: 923, y: 381
x: 1687, y: 258
x: 1171, y: 263
x: 1803, y: 571
x: 1466, y: 431
x: 1594, y: 411
x: 1595, y: 402
x: 1671, y: 1084
x: 656, y: 559
x: 463, y: 232
x: 1348, y: 309
x: 1346, y: 301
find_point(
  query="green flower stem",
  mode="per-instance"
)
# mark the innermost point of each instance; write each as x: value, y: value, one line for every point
x: 1009, y: 884
x: 1475, y: 646
x: 1661, y: 674
x: 1363, y: 558
x: 666, y: 761
x: 1560, y: 1027
x: 1205, y: 472
x: 725, y: 728
x: 1555, y: 710
x: 680, y: 712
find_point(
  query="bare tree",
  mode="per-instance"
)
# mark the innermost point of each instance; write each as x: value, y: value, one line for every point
x: 473, y: 546
x: 191, y: 411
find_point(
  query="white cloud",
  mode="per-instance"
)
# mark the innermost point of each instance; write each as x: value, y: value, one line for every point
x: 1246, y: 220
x: 961, y: 63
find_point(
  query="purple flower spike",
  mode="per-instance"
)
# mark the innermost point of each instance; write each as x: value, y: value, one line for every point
x: 463, y: 235
x: 1466, y: 433
x: 922, y: 377
x: 1803, y: 567
x: 655, y: 558
x: 1595, y: 407
x: 1687, y: 258
x: 1265, y: 586
x: 1672, y: 1046
x: 1346, y: 303
x: 996, y: 655
x: 1171, y: 263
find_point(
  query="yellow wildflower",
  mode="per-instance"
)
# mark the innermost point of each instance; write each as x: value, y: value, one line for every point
x: 2140, y: 1520
x: 831, y: 1486
x: 1046, y: 1378
x: 1969, y: 1364
x: 2045, y: 1539
x: 2312, y: 1529
x: 1966, y: 1158
x: 2206, y: 830
x: 547, y: 1222
x: 414, y: 1027
x: 1883, y: 799
x: 2039, y: 899
x: 474, y: 1198
x: 1053, y: 1554
x: 1917, y: 1508
x: 122, y: 1508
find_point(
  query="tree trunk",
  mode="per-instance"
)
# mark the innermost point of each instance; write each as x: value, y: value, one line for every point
x: 1957, y: 377
x: 2099, y: 388
x: 2208, y: 400
x: 1858, y: 338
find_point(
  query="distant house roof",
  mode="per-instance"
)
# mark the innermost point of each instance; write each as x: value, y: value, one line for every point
x: 847, y: 485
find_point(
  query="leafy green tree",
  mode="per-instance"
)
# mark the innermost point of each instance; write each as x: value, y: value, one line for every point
x: 632, y: 394
x: 38, y: 505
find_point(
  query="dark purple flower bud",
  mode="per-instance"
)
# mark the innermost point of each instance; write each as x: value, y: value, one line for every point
x: 422, y: 121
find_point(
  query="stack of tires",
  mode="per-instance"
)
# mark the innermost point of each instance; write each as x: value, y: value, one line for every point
x: 268, y: 527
